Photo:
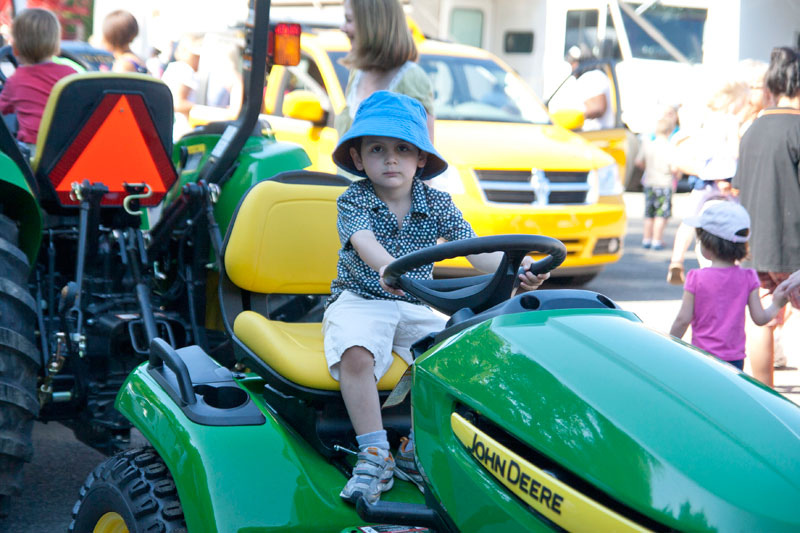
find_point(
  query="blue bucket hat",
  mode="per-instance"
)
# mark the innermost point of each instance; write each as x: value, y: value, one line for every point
x: 388, y: 114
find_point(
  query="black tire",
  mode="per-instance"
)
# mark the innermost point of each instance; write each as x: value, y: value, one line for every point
x: 19, y: 365
x: 137, y: 488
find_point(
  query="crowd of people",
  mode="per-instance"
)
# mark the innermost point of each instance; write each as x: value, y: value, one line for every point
x: 741, y: 148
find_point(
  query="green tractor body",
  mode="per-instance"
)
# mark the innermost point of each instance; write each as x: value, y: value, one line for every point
x: 567, y: 419
x: 89, y: 272
x: 257, y: 160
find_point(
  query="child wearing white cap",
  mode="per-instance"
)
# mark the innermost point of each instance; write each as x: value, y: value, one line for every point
x: 714, y: 298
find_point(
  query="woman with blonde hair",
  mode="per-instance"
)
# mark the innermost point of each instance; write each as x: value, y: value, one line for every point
x: 709, y: 151
x: 382, y: 57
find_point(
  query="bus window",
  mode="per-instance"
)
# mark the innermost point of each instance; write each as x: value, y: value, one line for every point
x: 466, y: 26
x: 581, y: 29
x: 683, y: 27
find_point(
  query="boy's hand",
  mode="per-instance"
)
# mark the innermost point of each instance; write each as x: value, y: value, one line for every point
x: 529, y: 281
x: 386, y: 287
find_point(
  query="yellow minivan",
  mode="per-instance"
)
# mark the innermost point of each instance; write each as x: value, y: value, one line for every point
x: 511, y: 169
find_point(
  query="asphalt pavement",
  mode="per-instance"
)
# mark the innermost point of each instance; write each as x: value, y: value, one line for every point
x: 656, y: 302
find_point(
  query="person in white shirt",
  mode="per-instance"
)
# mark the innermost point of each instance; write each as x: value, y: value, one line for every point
x: 594, y: 90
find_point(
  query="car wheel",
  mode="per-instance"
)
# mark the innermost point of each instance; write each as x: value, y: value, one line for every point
x: 131, y: 492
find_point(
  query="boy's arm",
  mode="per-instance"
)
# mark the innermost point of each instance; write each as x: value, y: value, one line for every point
x: 757, y: 312
x: 489, y: 262
x: 373, y: 254
x: 486, y: 263
x: 370, y: 250
x: 685, y: 315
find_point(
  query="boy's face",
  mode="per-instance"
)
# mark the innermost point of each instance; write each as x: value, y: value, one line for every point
x: 389, y: 163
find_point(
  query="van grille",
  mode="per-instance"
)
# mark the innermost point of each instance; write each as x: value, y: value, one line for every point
x: 534, y: 187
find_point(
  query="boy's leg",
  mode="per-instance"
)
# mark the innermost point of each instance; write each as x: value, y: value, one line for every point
x: 374, y: 469
x: 663, y: 210
x: 649, y: 213
x: 658, y: 229
x: 358, y: 336
x: 360, y: 395
x: 647, y: 233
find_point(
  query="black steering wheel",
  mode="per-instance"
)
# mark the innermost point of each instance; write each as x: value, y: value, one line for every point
x: 477, y: 293
x: 6, y: 56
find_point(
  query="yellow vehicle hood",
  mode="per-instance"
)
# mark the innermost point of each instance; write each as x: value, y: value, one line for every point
x: 493, y: 145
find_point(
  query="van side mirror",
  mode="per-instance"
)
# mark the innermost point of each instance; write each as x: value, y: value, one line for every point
x: 571, y: 119
x: 303, y: 105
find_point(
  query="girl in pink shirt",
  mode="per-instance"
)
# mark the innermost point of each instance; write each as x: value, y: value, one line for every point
x: 714, y: 298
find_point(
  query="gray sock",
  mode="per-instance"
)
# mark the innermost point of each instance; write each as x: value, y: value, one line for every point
x: 376, y: 438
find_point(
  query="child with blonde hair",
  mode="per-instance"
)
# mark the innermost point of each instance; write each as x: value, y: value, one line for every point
x: 708, y: 153
x: 35, y: 39
x: 655, y: 157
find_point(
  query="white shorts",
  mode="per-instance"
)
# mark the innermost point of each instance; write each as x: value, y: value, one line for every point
x: 380, y: 326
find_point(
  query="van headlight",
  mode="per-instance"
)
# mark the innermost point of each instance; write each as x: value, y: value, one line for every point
x: 608, y: 181
x: 448, y: 181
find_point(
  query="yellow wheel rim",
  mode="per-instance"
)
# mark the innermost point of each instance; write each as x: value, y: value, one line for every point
x: 111, y: 523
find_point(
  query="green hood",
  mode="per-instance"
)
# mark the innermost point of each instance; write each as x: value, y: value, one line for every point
x: 652, y: 423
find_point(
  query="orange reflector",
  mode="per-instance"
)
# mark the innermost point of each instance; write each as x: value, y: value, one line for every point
x: 118, y: 145
x: 284, y: 44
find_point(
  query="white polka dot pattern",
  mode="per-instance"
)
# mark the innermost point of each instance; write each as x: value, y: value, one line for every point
x: 433, y: 215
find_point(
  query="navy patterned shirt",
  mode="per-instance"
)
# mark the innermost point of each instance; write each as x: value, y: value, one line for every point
x: 432, y: 216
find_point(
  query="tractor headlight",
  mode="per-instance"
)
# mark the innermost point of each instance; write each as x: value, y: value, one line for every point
x: 448, y: 181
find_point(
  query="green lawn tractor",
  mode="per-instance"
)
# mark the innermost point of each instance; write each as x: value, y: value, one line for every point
x: 552, y: 410
x: 87, y: 278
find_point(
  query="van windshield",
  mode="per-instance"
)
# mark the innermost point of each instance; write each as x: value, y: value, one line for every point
x: 476, y: 89
x: 683, y: 27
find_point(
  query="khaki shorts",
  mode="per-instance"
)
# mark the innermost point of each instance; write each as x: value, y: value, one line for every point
x: 380, y: 326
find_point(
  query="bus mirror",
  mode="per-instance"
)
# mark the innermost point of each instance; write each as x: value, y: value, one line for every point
x: 284, y: 44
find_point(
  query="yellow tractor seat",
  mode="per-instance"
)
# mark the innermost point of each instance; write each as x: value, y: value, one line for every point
x: 282, y: 240
x: 294, y: 350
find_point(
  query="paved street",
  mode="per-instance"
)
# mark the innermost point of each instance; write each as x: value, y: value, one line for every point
x: 637, y: 283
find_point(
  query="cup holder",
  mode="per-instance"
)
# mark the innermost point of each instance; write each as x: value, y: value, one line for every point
x: 222, y: 397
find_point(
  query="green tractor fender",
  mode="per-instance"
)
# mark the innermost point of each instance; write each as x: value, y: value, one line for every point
x: 19, y: 203
x: 260, y: 159
x: 255, y: 473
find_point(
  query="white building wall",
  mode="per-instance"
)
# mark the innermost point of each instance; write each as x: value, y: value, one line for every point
x: 766, y: 24
x: 513, y: 15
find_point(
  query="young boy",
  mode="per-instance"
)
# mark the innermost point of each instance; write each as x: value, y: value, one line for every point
x: 655, y: 157
x: 387, y: 215
x: 35, y: 36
